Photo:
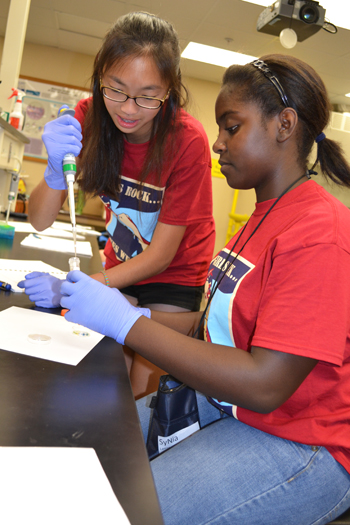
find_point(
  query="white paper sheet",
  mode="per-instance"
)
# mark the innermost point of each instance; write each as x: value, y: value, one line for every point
x: 84, y: 230
x: 67, y: 344
x: 57, y: 245
x: 26, y: 227
x: 12, y: 271
x: 56, y: 486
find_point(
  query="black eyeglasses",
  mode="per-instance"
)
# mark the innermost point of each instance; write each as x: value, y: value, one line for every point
x: 143, y: 102
x: 260, y: 64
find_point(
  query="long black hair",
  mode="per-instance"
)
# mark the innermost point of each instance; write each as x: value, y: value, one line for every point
x: 133, y: 35
x: 307, y: 95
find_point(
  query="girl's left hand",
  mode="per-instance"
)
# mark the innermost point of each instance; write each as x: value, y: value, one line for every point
x: 43, y: 289
x: 98, y: 307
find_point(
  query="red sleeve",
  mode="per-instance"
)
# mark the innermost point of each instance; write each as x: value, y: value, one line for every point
x: 81, y: 110
x: 188, y: 193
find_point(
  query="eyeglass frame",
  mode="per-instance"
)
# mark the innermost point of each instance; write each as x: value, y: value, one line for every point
x: 160, y: 100
x: 266, y: 71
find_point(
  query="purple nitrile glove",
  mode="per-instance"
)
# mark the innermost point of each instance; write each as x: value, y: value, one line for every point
x: 61, y: 136
x: 98, y: 307
x: 43, y: 289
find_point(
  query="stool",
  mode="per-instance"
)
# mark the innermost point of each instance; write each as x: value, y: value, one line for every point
x: 344, y: 519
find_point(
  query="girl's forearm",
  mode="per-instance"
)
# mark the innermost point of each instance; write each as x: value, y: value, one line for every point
x: 44, y: 205
x: 152, y: 261
x: 260, y: 380
x: 215, y: 370
x: 132, y: 271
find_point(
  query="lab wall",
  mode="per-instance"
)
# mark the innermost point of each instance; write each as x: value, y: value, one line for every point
x: 69, y: 68
x: 202, y: 106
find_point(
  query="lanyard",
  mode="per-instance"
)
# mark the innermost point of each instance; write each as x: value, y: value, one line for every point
x: 222, y: 273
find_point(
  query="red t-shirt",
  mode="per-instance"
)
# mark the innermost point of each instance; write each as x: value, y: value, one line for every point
x: 183, y: 196
x: 290, y: 291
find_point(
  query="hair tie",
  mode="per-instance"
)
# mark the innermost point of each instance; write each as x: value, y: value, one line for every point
x: 320, y: 137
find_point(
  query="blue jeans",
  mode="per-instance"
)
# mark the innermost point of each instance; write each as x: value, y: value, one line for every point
x: 230, y: 473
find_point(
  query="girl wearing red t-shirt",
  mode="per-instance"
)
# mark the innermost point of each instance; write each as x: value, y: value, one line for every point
x: 274, y: 368
x: 150, y: 163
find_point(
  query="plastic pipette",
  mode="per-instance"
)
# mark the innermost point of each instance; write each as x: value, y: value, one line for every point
x: 70, y: 170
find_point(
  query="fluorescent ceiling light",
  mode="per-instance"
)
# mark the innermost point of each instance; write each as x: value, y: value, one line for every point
x: 214, y: 55
x: 347, y: 95
x: 257, y: 2
x: 338, y: 13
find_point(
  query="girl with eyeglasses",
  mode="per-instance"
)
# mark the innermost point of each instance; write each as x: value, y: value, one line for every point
x: 150, y: 163
x: 274, y: 366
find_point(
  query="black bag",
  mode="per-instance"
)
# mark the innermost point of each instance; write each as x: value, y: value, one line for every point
x: 175, y: 415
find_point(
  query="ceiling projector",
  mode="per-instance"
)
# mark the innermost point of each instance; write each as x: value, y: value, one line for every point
x: 304, y: 17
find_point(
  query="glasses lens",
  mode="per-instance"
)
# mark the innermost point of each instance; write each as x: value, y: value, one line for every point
x: 148, y: 103
x: 114, y: 95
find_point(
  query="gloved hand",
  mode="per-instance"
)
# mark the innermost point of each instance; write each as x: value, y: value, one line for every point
x: 98, y: 307
x: 61, y: 136
x: 43, y: 289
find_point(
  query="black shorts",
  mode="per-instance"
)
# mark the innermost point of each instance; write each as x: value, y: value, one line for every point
x: 188, y: 297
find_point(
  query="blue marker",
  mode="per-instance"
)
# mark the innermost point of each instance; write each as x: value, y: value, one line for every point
x: 5, y: 286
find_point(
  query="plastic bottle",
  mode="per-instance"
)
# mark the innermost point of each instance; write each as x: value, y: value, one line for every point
x: 16, y: 116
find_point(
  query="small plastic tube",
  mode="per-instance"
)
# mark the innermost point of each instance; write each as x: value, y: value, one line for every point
x: 74, y: 263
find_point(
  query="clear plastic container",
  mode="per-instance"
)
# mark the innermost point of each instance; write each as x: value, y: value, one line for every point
x: 74, y: 263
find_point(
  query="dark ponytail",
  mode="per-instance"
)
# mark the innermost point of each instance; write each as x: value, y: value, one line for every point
x: 332, y: 162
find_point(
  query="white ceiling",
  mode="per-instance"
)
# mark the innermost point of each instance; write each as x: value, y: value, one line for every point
x: 79, y: 25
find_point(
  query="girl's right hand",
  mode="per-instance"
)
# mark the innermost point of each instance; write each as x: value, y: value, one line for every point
x: 61, y: 136
x: 98, y: 307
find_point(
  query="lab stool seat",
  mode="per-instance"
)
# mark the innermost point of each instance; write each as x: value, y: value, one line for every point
x: 344, y: 519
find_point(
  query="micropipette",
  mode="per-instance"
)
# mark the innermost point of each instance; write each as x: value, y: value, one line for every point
x: 70, y: 170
